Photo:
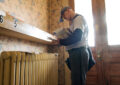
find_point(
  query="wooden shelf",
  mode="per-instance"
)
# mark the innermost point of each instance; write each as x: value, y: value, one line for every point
x: 12, y: 26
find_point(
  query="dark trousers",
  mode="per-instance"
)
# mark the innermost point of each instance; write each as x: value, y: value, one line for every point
x: 79, y: 58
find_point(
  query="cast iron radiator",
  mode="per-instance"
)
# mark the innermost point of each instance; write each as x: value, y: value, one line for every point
x: 20, y: 68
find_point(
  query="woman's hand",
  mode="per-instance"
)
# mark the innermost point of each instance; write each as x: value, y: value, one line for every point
x: 56, y: 42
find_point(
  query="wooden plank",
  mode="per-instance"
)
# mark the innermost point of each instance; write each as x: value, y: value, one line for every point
x: 45, y: 72
x: 48, y: 72
x: 54, y: 72
x: 39, y: 76
x: 22, y: 80
x: 56, y: 67
x: 71, y: 4
x: 92, y: 72
x: 115, y: 80
x: 113, y: 48
x: 92, y: 80
x: 18, y: 68
x: 33, y: 69
x: 40, y: 70
x: 36, y: 70
x: 26, y: 69
x: 30, y: 69
x: 13, y: 68
x: 1, y: 70
x: 6, y: 78
x: 15, y: 34
x: 23, y: 30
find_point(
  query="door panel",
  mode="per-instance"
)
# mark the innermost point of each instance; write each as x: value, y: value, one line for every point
x: 112, y: 67
x: 93, y: 76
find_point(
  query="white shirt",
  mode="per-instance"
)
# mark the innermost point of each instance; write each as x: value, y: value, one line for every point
x: 79, y: 23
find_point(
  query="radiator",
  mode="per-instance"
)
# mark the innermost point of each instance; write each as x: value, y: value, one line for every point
x: 19, y: 68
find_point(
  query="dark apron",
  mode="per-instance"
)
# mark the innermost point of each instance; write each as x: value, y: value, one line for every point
x: 79, y: 62
x: 91, y: 60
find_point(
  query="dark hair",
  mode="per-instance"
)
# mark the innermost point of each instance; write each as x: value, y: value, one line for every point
x: 64, y: 9
x: 62, y: 12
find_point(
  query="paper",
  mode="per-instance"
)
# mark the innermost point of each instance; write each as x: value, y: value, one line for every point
x: 61, y: 33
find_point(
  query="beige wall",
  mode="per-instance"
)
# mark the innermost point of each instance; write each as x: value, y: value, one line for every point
x: 14, y: 44
x: 56, y: 6
x: 34, y: 12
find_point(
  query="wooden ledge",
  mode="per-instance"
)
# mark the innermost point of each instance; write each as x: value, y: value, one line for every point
x: 14, y: 27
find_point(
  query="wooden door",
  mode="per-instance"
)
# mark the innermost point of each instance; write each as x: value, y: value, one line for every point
x: 94, y: 75
x: 112, y: 66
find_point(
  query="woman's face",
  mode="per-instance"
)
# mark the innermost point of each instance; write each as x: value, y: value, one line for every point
x: 66, y: 15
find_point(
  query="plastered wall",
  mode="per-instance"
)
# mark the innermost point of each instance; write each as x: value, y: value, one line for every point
x: 14, y: 44
x: 34, y: 12
x: 56, y: 6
